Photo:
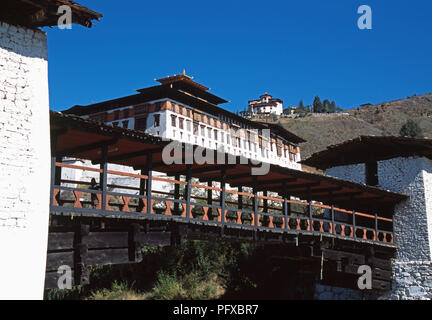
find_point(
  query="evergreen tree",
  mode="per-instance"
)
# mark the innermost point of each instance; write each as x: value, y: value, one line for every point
x: 317, y: 105
x: 326, y: 106
x: 301, y: 106
x: 411, y: 129
x: 332, y: 107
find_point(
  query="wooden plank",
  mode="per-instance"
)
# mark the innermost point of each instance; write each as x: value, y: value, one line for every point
x: 353, y: 258
x: 108, y: 256
x: 100, y: 240
x: 155, y: 239
x: 377, y: 274
x: 60, y: 241
x: 380, y: 263
x: 382, y: 274
x: 381, y: 285
x: 57, y: 259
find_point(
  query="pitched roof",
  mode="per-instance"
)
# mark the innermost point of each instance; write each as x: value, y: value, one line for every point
x: 367, y: 148
x: 81, y: 138
x: 184, y: 93
x: 282, y: 132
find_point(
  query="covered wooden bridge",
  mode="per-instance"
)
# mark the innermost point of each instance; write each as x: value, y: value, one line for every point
x: 331, y: 225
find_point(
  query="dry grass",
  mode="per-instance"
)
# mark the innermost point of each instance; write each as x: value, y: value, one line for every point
x: 382, y: 119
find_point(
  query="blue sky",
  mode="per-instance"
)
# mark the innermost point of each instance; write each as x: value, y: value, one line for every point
x: 240, y: 49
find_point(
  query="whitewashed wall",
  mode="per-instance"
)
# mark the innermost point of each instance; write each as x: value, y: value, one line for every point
x: 355, y: 173
x: 412, y: 220
x: 24, y: 162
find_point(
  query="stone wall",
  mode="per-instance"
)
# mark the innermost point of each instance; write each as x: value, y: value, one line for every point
x: 406, y: 175
x: 24, y: 161
x: 412, y: 280
x: 412, y: 220
x: 355, y: 172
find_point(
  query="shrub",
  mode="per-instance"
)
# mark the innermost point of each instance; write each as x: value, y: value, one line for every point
x: 167, y: 287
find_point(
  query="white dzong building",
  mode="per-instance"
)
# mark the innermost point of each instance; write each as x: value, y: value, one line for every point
x: 266, y: 105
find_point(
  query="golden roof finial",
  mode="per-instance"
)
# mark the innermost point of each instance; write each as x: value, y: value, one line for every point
x: 184, y: 71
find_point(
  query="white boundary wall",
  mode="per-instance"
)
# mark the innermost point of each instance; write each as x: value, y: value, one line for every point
x: 24, y: 162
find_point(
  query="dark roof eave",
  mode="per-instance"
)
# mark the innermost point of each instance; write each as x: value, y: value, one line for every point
x: 43, y: 13
x: 388, y: 147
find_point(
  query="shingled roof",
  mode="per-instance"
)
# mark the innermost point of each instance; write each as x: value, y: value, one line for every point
x: 43, y: 13
x: 367, y: 148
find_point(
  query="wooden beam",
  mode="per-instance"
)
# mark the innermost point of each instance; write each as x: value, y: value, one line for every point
x: 130, y: 155
x: 149, y: 183
x: 210, y: 168
x: 188, y: 190
x: 88, y: 147
x: 231, y: 177
x: 80, y: 255
x: 103, y: 177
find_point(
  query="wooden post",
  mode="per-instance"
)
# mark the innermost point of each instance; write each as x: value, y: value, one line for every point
x: 53, y: 166
x: 285, y: 204
x: 223, y: 195
x: 240, y: 198
x: 309, y: 195
x: 149, y: 182
x: 210, y: 211
x: 176, y: 193
x: 81, y: 274
x: 103, y: 177
x: 255, y: 193
x: 142, y: 191
x: 134, y: 245
x: 188, y: 190
x: 376, y: 226
x: 332, y: 213
x: 265, y: 206
x: 353, y: 217
x: 58, y: 172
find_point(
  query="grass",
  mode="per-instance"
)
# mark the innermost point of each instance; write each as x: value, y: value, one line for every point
x: 119, y: 291
x: 195, y: 270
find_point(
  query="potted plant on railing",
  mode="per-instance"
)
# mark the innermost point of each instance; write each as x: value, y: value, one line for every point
x: 159, y: 207
x: 177, y: 209
x: 197, y: 212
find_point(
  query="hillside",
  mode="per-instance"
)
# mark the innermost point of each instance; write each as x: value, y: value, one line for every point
x: 382, y: 119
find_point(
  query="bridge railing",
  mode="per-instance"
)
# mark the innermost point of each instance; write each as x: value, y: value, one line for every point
x: 258, y: 212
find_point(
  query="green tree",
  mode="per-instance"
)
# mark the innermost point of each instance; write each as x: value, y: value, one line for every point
x: 326, y: 106
x: 332, y: 107
x: 317, y: 105
x: 301, y: 105
x: 411, y: 129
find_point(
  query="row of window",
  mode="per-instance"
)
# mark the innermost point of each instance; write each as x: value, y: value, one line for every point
x: 234, y: 140
x: 141, y: 123
x: 124, y: 124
